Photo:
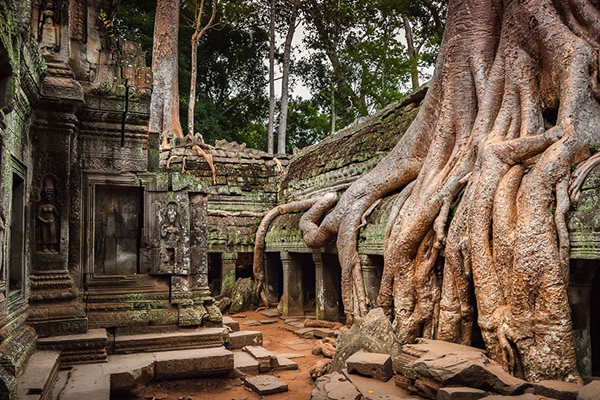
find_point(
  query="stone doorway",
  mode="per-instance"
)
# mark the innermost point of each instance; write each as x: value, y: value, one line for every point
x: 594, y: 320
x: 273, y: 278
x: 17, y: 235
x: 117, y: 229
x: 215, y: 268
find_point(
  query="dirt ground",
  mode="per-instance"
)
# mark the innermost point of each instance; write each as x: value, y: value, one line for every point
x: 278, y: 338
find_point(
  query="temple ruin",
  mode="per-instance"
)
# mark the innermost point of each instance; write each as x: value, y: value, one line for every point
x: 104, y: 238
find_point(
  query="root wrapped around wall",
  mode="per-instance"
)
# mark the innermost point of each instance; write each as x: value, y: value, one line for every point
x: 513, y: 105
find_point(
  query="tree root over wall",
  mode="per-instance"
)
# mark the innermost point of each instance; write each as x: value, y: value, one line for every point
x: 484, y: 172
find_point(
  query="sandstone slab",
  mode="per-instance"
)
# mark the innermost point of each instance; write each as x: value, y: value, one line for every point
x: 282, y: 363
x: 262, y: 355
x: 335, y: 386
x: 528, y: 396
x: 239, y: 339
x: 460, y: 393
x: 245, y: 363
x: 376, y: 365
x: 38, y: 378
x: 591, y: 391
x: 231, y: 323
x: 557, y: 389
x: 271, y: 313
x: 192, y: 363
x: 266, y: 384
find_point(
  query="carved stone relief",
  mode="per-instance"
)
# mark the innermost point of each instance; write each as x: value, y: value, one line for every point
x: 48, y: 218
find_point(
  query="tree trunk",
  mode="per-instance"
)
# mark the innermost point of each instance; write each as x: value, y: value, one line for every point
x: 285, y: 79
x: 484, y: 172
x: 270, y: 138
x: 164, y: 105
x: 199, y: 31
x: 412, y: 53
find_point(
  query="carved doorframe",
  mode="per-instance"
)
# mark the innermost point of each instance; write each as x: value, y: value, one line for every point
x: 91, y: 181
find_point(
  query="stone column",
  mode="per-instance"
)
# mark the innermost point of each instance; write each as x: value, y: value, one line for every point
x: 371, y: 272
x: 292, y: 299
x: 580, y: 290
x: 55, y: 303
x: 228, y: 261
x: 327, y: 287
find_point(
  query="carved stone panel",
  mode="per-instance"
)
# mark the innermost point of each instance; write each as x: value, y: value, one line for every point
x: 199, y: 239
x: 168, y: 248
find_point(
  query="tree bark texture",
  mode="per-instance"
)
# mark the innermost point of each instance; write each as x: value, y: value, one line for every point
x: 271, y: 124
x: 164, y: 105
x: 484, y: 172
x: 199, y: 31
x: 287, y: 55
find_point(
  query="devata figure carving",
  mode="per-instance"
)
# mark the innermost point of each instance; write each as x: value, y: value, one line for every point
x: 169, y: 234
x: 49, y: 27
x: 48, y: 218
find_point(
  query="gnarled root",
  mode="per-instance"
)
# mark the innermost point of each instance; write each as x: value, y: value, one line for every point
x: 263, y: 228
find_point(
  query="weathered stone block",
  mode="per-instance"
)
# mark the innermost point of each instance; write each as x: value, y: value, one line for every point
x: 280, y: 362
x: 231, y: 323
x: 266, y: 384
x: 378, y: 366
x: 591, y: 391
x: 460, y: 393
x: 237, y: 340
x: 192, y: 363
x: 557, y: 389
x: 245, y: 363
x: 262, y: 355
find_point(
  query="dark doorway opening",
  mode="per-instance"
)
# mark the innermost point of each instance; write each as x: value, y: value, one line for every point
x: 17, y: 235
x: 215, y: 268
x: 273, y: 277
x: 307, y: 265
x: 117, y: 229
x: 243, y: 266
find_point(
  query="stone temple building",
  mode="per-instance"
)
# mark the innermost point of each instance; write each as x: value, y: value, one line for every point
x: 102, y: 235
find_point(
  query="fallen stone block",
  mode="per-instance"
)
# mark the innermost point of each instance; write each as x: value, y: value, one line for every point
x: 279, y: 363
x: 245, y: 363
x: 460, y: 393
x: 192, y: 363
x: 451, y: 364
x: 292, y: 355
x: 591, y: 391
x: 528, y: 396
x: 266, y: 321
x: 231, y: 323
x: 237, y: 340
x: 427, y: 388
x: 378, y: 366
x: 262, y: 355
x: 271, y: 313
x: 335, y: 386
x: 266, y: 384
x: 557, y: 389
x: 251, y: 322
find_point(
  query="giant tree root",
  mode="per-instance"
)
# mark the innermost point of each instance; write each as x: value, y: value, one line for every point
x: 263, y: 228
x: 513, y: 105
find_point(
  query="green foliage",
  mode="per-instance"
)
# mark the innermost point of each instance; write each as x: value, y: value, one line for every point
x: 363, y: 38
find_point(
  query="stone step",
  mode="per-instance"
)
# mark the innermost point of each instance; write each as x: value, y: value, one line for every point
x: 166, y: 341
x: 37, y: 381
x: 231, y: 323
x: 238, y: 340
x: 262, y: 355
x: 245, y: 363
x: 76, y: 349
x: 124, y: 372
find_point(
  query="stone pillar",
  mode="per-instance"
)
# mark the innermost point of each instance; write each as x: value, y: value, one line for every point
x: 580, y: 290
x: 327, y: 288
x: 228, y: 261
x: 292, y: 299
x: 371, y: 272
x: 55, y: 304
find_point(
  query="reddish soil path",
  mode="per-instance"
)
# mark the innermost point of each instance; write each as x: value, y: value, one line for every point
x: 277, y: 338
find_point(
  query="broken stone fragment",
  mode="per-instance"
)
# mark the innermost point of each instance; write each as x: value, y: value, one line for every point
x: 591, y: 391
x: 376, y: 365
x: 335, y: 386
x: 460, y: 393
x: 237, y: 340
x: 262, y: 355
x: 265, y: 384
x: 528, y: 396
x: 557, y: 389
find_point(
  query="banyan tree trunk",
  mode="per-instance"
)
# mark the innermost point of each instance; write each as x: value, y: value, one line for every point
x: 484, y: 172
